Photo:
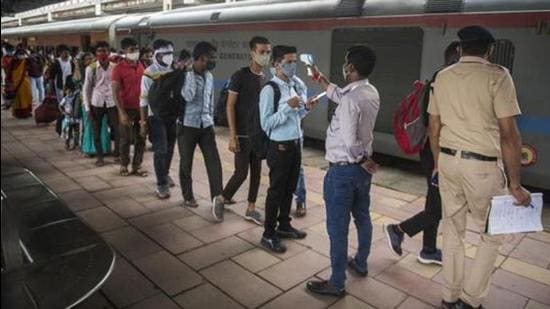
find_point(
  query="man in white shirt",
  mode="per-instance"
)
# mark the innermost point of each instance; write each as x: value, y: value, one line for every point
x: 98, y: 99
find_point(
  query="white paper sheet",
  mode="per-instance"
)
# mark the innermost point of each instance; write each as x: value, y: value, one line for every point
x: 506, y: 218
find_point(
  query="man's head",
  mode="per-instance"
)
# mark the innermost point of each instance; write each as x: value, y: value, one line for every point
x: 130, y: 49
x: 63, y: 51
x: 146, y: 56
x: 164, y: 52
x: 21, y: 53
x: 184, y: 60
x: 102, y: 51
x: 204, y: 56
x: 359, y: 63
x: 452, y: 53
x: 284, y: 60
x: 476, y: 41
x: 87, y: 59
x: 260, y: 50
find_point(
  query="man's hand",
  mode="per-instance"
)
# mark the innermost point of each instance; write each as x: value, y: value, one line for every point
x: 143, y: 129
x: 521, y: 195
x: 294, y: 102
x: 234, y: 146
x: 123, y: 118
x: 311, y: 103
x: 370, y: 166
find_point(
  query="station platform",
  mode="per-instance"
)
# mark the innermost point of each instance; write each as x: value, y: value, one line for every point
x: 169, y: 256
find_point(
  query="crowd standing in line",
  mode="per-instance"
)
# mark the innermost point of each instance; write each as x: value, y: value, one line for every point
x: 144, y: 92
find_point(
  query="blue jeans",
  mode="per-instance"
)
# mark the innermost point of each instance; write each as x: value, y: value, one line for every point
x: 37, y: 86
x: 300, y: 192
x: 163, y: 137
x: 347, y: 191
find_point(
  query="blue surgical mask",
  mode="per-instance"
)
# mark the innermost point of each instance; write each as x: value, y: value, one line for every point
x: 289, y: 69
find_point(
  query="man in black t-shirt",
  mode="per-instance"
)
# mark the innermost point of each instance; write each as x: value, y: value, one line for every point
x: 244, y: 91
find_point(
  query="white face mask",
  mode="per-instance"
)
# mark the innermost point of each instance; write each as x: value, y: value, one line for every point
x: 262, y: 60
x: 133, y: 56
x: 168, y: 59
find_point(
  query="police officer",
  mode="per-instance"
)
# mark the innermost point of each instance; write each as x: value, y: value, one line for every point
x: 472, y: 129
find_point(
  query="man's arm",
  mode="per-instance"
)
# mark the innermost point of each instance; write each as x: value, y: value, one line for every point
x: 146, y: 82
x: 231, y: 120
x: 510, y: 142
x: 434, y: 129
x: 87, y: 89
x: 190, y: 87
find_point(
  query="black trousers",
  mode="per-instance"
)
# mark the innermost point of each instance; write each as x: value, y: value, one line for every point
x: 243, y: 159
x: 284, y: 160
x: 112, y: 120
x: 427, y: 220
x: 205, y: 138
x: 163, y: 138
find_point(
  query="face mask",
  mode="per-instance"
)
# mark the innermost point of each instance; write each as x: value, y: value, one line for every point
x: 210, y: 65
x: 262, y: 60
x: 132, y: 56
x: 273, y: 71
x: 167, y: 60
x: 289, y: 69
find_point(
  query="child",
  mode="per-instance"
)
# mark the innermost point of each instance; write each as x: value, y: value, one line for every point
x: 70, y: 107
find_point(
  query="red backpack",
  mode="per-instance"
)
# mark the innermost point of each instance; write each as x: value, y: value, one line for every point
x: 409, y: 128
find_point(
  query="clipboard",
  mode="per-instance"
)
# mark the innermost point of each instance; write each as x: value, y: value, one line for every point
x: 507, y: 218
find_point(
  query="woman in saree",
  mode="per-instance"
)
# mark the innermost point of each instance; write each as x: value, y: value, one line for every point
x: 22, y: 105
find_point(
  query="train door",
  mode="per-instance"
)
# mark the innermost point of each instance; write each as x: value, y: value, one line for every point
x: 399, y: 54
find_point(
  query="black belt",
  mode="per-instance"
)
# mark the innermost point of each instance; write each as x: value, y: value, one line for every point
x: 467, y: 155
x: 293, y: 142
x: 346, y: 163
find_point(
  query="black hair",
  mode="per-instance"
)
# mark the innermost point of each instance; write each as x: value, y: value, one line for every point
x: 184, y: 54
x: 69, y: 83
x: 62, y: 47
x: 280, y: 51
x: 8, y: 47
x: 257, y: 40
x: 363, y: 59
x: 128, y: 42
x: 451, y: 53
x: 475, y: 48
x: 160, y: 43
x: 203, y: 49
x: 101, y: 44
x: 145, y: 50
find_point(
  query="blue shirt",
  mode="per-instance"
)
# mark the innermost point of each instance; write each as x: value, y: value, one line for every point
x: 284, y: 125
x: 199, y: 97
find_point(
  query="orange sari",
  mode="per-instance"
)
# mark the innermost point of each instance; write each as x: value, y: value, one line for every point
x: 22, y: 107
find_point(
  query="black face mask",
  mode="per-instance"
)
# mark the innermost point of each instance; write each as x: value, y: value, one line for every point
x: 211, y: 65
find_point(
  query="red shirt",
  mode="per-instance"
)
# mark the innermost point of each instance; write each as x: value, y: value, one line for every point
x: 129, y: 80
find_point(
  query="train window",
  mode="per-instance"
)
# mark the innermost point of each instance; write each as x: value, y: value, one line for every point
x: 504, y: 54
x: 398, y: 58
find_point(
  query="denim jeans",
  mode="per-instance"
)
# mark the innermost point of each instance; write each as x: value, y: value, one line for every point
x: 347, y: 192
x: 300, y: 192
x: 163, y: 136
x: 37, y: 85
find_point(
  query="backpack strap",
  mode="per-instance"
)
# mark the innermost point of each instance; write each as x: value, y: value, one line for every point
x: 277, y: 94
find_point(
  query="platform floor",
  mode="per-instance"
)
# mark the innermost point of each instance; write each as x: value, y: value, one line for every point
x: 172, y: 257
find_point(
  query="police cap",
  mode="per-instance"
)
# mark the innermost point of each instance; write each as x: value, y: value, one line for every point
x: 471, y: 34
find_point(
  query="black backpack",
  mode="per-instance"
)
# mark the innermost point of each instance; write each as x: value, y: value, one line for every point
x: 220, y: 116
x: 165, y: 99
x: 259, y: 140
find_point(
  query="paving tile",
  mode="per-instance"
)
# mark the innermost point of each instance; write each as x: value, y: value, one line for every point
x: 79, y: 200
x: 131, y: 243
x: 295, y: 270
x: 350, y: 302
x: 227, y: 228
x: 206, y: 296
x: 169, y: 273
x: 527, y: 270
x: 126, y: 285
x: 256, y: 259
x: 533, y: 252
x: 374, y: 292
x: 413, y: 284
x: 521, y: 285
x: 215, y: 252
x: 172, y: 238
x: 191, y: 223
x: 542, y: 236
x: 127, y: 208
x: 159, y: 301
x: 299, y: 297
x: 101, y: 219
x: 536, y: 305
x: 61, y: 184
x: 160, y: 217
x: 411, y: 263
x: 96, y: 301
x: 502, y: 298
x: 413, y: 303
x: 240, y: 284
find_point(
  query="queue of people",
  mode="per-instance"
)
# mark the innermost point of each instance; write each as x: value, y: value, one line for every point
x: 149, y: 92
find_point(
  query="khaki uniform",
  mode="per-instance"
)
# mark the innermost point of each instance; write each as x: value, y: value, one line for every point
x: 469, y: 97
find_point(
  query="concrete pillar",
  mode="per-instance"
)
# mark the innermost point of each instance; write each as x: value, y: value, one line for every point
x: 167, y: 5
x: 98, y: 11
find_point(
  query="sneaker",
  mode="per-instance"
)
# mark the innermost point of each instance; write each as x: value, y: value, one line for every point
x: 99, y: 162
x: 325, y: 288
x: 300, y: 210
x: 170, y: 181
x: 218, y: 208
x: 464, y: 305
x: 430, y: 258
x: 191, y: 203
x: 447, y: 305
x: 163, y: 192
x: 395, y: 239
x: 254, y: 216
x: 290, y: 232
x: 352, y: 263
x: 274, y: 244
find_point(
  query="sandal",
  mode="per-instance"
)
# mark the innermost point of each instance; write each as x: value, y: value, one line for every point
x: 124, y: 171
x: 139, y: 172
